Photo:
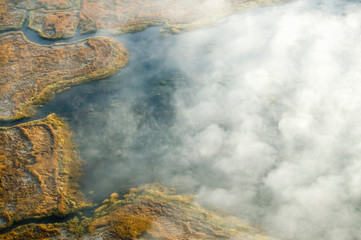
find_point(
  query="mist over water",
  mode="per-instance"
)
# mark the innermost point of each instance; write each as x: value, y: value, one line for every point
x: 272, y: 109
x: 259, y: 115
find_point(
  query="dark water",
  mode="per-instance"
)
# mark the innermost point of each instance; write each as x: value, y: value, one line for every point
x: 116, y: 121
x: 287, y: 158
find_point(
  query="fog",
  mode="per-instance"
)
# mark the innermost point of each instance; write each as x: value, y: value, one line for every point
x: 273, y: 106
x: 259, y: 115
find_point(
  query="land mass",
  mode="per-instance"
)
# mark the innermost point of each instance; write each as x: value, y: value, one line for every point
x: 39, y: 164
x: 39, y: 171
x: 10, y: 17
x: 54, y: 24
x: 124, y: 16
x: 31, y: 74
x: 60, y: 19
x: 47, y: 4
x: 148, y: 212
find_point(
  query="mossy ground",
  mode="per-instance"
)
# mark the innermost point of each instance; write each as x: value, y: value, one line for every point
x: 32, y: 74
x: 39, y: 171
x: 149, y: 212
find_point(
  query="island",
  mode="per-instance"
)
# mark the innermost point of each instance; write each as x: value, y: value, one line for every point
x: 54, y: 24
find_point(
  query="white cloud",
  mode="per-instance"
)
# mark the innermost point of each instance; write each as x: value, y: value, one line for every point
x: 273, y: 105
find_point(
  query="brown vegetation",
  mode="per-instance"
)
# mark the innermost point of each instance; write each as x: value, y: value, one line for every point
x: 39, y: 171
x: 149, y: 212
x: 47, y: 4
x: 54, y: 24
x: 10, y: 17
x: 154, y: 212
x: 31, y: 74
x: 135, y: 15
